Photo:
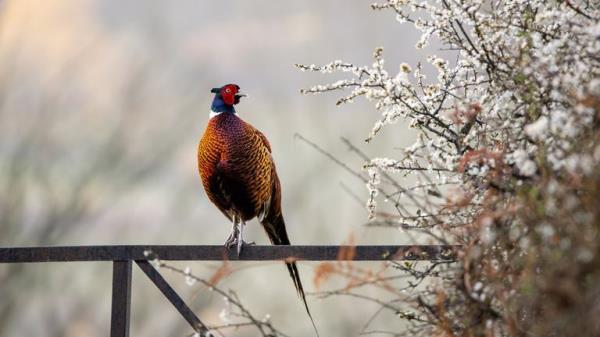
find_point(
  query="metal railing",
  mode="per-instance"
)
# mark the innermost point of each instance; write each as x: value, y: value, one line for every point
x: 123, y: 258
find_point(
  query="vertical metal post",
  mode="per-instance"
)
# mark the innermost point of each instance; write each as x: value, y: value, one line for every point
x: 121, y: 299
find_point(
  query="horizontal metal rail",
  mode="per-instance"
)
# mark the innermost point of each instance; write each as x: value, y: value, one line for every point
x: 219, y: 253
x: 124, y: 256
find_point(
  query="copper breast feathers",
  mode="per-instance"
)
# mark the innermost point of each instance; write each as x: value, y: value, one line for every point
x: 236, y: 168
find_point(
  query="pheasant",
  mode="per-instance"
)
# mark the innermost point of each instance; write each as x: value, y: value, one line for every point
x: 239, y: 176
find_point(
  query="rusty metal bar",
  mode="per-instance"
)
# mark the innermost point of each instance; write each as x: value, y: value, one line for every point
x: 121, y: 299
x: 172, y: 296
x: 218, y: 253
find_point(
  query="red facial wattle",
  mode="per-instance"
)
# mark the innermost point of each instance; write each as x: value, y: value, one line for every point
x: 228, y: 93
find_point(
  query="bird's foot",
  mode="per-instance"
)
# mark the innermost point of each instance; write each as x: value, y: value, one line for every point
x: 241, y: 244
x: 240, y: 239
x: 231, y: 240
x: 236, y: 237
x: 234, y: 242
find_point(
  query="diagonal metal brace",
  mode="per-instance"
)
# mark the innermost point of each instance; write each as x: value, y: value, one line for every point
x: 172, y: 296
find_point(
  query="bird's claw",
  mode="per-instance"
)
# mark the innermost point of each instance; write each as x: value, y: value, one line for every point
x: 236, y: 238
x: 230, y: 243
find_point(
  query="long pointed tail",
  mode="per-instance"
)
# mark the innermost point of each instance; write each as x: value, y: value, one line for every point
x: 275, y: 228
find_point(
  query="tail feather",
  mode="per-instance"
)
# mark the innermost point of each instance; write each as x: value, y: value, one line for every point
x: 275, y: 229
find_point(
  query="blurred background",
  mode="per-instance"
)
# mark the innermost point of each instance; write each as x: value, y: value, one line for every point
x: 102, y: 104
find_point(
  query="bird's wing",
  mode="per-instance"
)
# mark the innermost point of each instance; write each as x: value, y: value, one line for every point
x: 267, y: 165
x: 264, y: 139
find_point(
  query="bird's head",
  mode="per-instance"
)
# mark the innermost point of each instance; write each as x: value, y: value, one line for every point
x: 226, y: 97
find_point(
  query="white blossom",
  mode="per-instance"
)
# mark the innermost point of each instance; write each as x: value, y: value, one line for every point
x: 190, y: 280
x: 522, y: 96
x: 523, y: 163
x: 537, y: 129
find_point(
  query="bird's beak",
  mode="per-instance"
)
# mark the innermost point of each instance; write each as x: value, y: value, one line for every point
x: 215, y: 90
x: 241, y: 94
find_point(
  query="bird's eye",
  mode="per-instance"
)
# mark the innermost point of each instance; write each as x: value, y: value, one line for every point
x: 227, y: 90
